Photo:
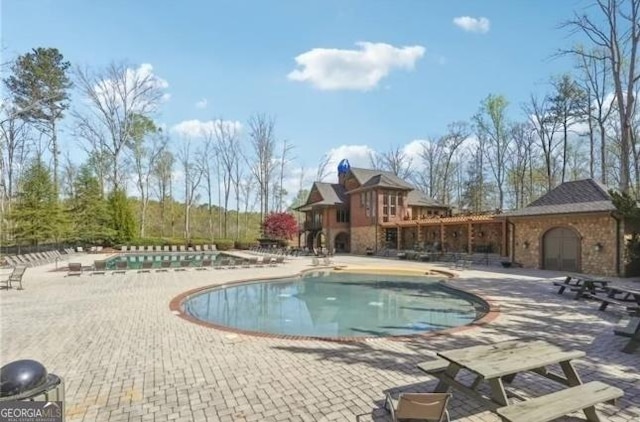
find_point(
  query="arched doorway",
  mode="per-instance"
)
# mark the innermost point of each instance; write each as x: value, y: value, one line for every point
x: 319, y: 240
x: 341, y: 242
x: 561, y: 250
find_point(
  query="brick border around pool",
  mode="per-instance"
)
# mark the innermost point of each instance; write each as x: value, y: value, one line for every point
x: 493, y: 310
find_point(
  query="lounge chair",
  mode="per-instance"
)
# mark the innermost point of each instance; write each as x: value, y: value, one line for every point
x: 99, y: 267
x: 197, y: 248
x: 315, y: 261
x: 75, y: 268
x: 184, y: 264
x: 134, y: 249
x: 14, y: 277
x: 277, y: 260
x: 174, y: 248
x: 205, y: 248
x: 214, y: 248
x: 183, y: 248
x: 164, y: 266
x: 165, y: 248
x: 124, y: 248
x: 206, y: 264
x: 327, y: 261
x: 121, y: 267
x: 424, y: 406
x: 79, y: 249
x: 146, y: 267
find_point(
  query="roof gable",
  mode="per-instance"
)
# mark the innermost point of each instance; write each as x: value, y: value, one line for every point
x: 575, y: 192
x: 379, y: 178
x: 580, y: 196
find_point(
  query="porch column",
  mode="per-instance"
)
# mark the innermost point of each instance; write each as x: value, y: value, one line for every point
x: 469, y: 233
x: 441, y: 235
x: 419, y: 234
x: 505, y: 239
x: 398, y: 236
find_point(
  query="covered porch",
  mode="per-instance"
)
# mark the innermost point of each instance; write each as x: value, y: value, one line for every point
x: 459, y: 234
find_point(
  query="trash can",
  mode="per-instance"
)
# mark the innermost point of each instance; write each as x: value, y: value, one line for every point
x: 28, y: 380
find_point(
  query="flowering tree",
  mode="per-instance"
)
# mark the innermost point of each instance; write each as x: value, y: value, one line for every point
x: 280, y: 225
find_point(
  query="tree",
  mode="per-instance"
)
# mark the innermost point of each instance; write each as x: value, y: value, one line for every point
x: 616, y: 34
x: 323, y: 165
x: 262, y: 139
x: 37, y: 214
x: 395, y: 160
x: 546, y: 126
x: 284, y: 159
x: 228, y: 151
x: 491, y: 124
x: 123, y: 223
x: 162, y: 172
x: 90, y: 218
x: 567, y: 106
x: 146, y: 144
x: 599, y: 105
x: 192, y: 178
x: 281, y: 226
x: 113, y: 97
x: 40, y: 85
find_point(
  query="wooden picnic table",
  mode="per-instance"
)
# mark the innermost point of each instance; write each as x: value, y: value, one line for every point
x: 581, y: 286
x: 501, y: 362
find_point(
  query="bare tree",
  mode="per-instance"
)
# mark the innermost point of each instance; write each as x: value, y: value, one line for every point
x: 283, y: 160
x: 69, y: 173
x: 323, y: 170
x: 114, y: 96
x: 519, y: 159
x: 457, y: 133
x: 262, y: 140
x: 596, y: 83
x: 546, y: 127
x: 145, y: 152
x: 192, y: 177
x: 163, y: 175
x: 395, y: 160
x: 227, y: 144
x: 616, y: 34
x: 208, y: 162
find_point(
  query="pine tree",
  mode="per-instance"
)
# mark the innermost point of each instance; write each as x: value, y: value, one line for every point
x: 91, y: 222
x: 37, y: 214
x: 123, y: 222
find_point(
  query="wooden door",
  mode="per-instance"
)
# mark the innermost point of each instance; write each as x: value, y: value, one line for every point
x: 561, y: 249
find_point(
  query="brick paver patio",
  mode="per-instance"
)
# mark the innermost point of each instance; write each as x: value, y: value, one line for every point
x: 125, y: 357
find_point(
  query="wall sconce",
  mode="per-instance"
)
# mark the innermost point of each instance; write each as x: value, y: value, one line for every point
x: 598, y: 247
x: 481, y: 234
x: 526, y: 244
x: 455, y: 234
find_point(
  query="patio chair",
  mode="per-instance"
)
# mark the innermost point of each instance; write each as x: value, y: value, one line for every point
x: 315, y: 261
x: 99, y: 267
x: 205, y: 248
x: 174, y: 248
x: 75, y: 268
x: 165, y: 248
x: 14, y: 277
x: 424, y: 406
x: 214, y: 248
x: 124, y: 248
x: 182, y: 248
x: 197, y: 248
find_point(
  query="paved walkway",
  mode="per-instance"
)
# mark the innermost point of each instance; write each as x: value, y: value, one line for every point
x: 125, y: 357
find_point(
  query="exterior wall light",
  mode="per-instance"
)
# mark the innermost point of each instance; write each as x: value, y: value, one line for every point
x: 526, y: 244
x: 598, y: 247
x: 455, y: 234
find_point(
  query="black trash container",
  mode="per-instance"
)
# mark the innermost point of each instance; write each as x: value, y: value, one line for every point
x: 28, y: 380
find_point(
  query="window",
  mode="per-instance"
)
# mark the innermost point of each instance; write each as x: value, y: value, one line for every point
x: 362, y: 199
x: 342, y: 215
x: 392, y: 203
x: 385, y: 204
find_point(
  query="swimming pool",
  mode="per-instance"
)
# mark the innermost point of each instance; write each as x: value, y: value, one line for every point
x: 134, y: 260
x: 332, y: 304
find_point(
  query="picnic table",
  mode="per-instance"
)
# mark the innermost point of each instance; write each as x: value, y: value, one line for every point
x: 582, y: 286
x: 500, y: 363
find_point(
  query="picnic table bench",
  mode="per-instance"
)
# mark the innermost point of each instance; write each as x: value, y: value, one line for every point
x: 502, y: 362
x: 618, y: 296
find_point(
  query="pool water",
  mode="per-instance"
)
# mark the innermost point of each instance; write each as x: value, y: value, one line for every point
x: 135, y: 260
x: 329, y: 304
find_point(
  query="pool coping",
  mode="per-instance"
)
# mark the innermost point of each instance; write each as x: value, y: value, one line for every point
x: 492, y: 309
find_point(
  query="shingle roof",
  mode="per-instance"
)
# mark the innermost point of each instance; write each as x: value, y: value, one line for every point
x: 371, y: 178
x: 570, y: 197
x: 417, y: 198
x: 331, y: 193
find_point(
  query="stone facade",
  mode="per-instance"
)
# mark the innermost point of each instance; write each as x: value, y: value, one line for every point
x: 592, y: 229
x: 363, y: 238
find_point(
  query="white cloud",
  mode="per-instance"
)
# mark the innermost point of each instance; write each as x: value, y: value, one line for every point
x: 198, y: 128
x: 361, y: 70
x: 203, y: 103
x: 469, y: 24
x: 109, y: 91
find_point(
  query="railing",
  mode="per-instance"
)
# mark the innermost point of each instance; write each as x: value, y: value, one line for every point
x: 312, y: 225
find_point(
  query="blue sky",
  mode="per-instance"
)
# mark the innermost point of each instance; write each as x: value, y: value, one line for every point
x: 239, y: 56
